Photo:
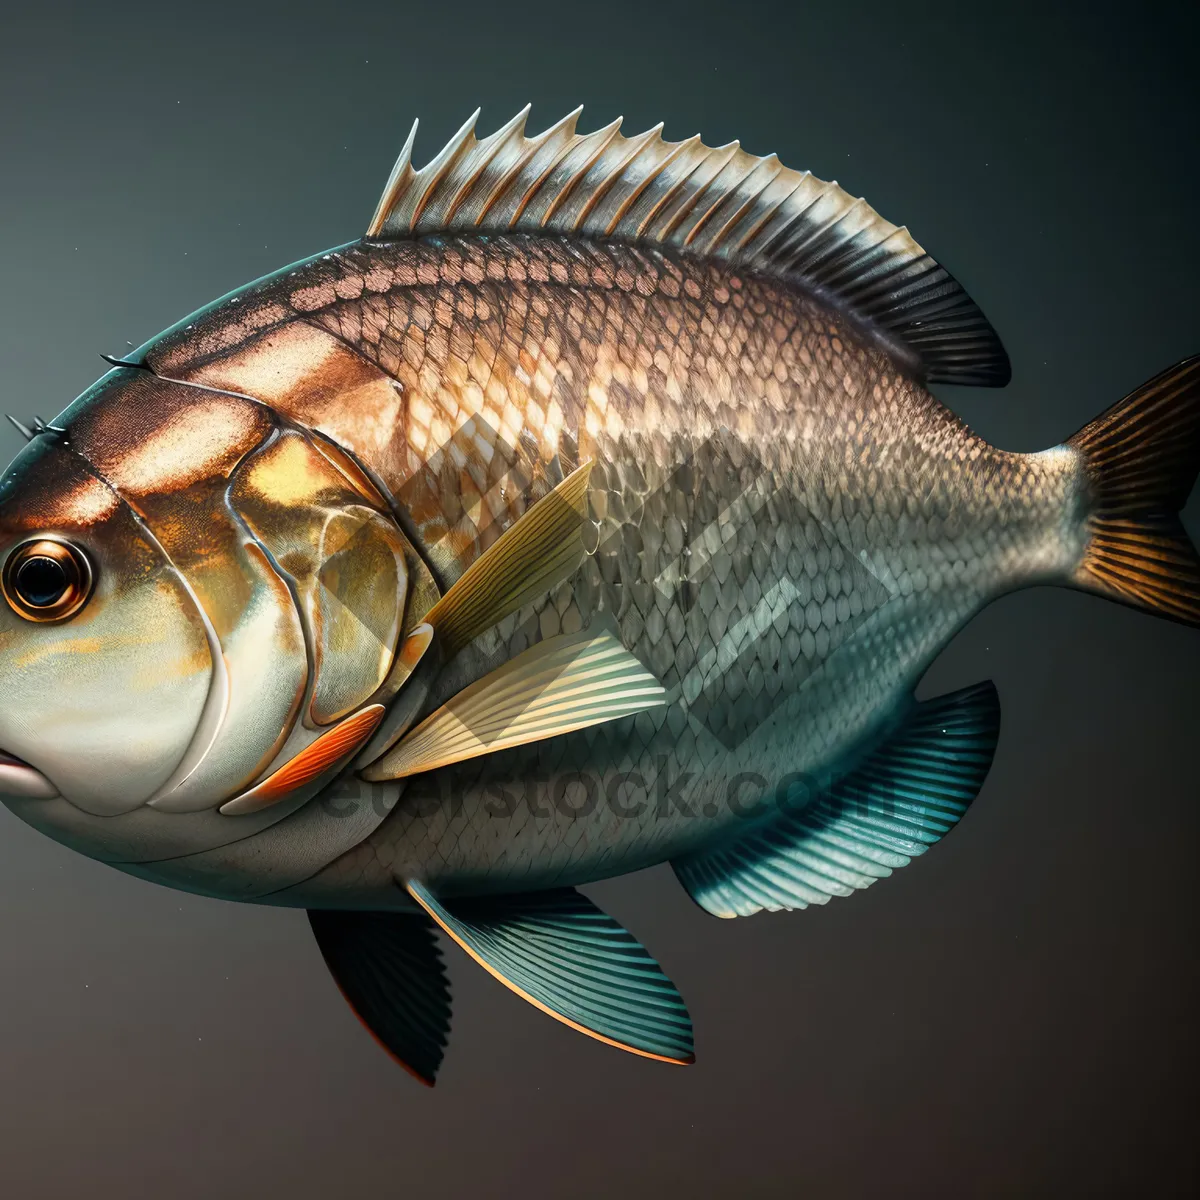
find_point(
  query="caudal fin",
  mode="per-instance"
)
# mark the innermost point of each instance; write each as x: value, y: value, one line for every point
x: 1141, y: 458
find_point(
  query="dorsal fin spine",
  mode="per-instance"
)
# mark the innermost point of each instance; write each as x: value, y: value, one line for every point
x: 650, y: 176
x: 779, y: 236
x: 684, y: 148
x: 456, y: 150
x: 747, y: 207
x: 502, y: 183
x: 690, y: 203
x: 514, y: 128
x: 603, y: 137
x: 614, y: 176
x: 571, y: 165
x: 715, y: 197
x: 564, y: 128
x: 771, y: 164
x: 795, y: 260
x: 400, y: 178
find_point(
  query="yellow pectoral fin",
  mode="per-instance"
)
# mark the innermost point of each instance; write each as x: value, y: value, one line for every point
x: 559, y: 685
x: 314, y: 760
x: 540, y: 550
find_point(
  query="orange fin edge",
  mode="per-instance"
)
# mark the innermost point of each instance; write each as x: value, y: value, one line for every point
x: 314, y: 760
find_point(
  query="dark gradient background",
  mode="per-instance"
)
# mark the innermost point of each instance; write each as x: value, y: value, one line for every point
x: 1012, y: 1015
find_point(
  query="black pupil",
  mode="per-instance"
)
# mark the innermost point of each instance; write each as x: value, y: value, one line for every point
x: 41, y: 581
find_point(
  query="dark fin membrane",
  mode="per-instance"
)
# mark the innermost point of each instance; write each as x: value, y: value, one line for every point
x: 557, y: 950
x: 389, y: 968
x: 905, y: 796
x: 1141, y: 458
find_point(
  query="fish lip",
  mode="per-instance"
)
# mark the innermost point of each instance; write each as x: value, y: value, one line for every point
x: 18, y: 778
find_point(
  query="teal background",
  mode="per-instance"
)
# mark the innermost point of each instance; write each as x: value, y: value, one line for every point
x: 1012, y: 1015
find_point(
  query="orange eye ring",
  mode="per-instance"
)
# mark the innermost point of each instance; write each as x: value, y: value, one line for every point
x: 47, y: 580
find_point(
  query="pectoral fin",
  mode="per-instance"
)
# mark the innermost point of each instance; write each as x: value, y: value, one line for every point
x: 561, y: 953
x: 389, y: 968
x: 540, y: 550
x: 560, y: 685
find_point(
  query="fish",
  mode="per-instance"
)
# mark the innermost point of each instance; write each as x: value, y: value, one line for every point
x: 590, y: 512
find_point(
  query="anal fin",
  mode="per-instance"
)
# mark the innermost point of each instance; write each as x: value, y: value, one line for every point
x: 389, y: 968
x: 561, y: 953
x: 901, y: 799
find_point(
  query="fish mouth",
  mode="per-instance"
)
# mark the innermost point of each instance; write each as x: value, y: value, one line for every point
x: 18, y: 778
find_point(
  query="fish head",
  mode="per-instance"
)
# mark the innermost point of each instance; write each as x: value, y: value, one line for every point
x: 198, y: 597
x: 104, y: 663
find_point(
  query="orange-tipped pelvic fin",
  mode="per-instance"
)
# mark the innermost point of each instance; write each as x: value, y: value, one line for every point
x: 314, y: 760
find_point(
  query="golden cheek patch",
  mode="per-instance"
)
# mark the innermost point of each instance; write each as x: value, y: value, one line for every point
x: 347, y: 562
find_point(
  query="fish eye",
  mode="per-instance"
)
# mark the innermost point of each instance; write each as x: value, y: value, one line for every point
x: 47, y: 580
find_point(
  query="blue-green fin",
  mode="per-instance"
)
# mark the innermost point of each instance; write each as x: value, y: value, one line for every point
x: 389, y: 968
x: 900, y: 799
x: 557, y: 950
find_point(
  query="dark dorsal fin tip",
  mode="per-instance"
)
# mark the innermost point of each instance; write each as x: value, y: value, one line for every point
x: 710, y: 202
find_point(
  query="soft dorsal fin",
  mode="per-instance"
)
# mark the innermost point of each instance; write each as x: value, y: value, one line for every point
x: 709, y: 202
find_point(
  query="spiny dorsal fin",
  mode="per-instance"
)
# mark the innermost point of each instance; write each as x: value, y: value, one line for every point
x: 709, y: 202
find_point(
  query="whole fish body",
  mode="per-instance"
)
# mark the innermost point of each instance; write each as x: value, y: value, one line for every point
x: 591, y: 512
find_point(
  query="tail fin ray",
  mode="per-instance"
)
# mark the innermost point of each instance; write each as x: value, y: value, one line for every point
x: 1141, y: 458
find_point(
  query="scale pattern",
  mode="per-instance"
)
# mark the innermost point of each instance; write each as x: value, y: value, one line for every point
x: 785, y: 528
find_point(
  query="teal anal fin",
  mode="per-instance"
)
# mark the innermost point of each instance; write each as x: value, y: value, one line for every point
x: 389, y: 968
x: 904, y: 796
x: 561, y: 953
